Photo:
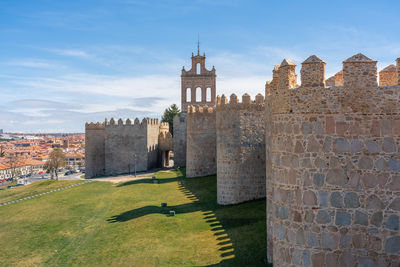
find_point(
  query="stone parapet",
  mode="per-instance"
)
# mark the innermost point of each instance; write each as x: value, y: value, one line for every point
x: 94, y: 126
x: 359, y: 72
x: 398, y: 70
x: 388, y: 76
x: 287, y: 77
x: 313, y: 72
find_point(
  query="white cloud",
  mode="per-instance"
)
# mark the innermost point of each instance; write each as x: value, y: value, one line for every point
x: 31, y: 63
x: 71, y: 52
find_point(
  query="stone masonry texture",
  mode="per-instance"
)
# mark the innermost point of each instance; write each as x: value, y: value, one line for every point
x: 201, y: 142
x: 94, y: 146
x: 110, y: 146
x: 388, y: 76
x: 240, y: 149
x: 180, y: 140
x: 333, y: 171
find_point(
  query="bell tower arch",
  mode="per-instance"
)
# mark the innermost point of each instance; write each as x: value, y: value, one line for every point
x: 199, y: 82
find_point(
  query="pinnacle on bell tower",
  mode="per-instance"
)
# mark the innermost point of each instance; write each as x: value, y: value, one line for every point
x: 198, y: 85
x: 198, y: 45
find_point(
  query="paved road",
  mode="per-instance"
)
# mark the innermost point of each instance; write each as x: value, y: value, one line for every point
x: 75, y: 176
x: 125, y: 178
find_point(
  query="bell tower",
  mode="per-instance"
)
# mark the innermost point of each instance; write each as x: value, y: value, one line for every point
x: 198, y: 85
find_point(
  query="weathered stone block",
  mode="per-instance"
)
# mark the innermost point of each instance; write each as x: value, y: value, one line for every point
x: 395, y: 184
x: 318, y: 259
x: 312, y: 240
x: 394, y: 165
x: 300, y: 240
x: 389, y: 145
x: 318, y: 179
x: 351, y: 200
x: 337, y: 199
x: 356, y: 146
x: 323, y: 198
x: 366, y: 163
x: 323, y: 217
x: 328, y: 242
x: 392, y: 222
x: 336, y: 177
x: 360, y: 218
x: 306, y: 128
x: 376, y: 219
x: 393, y: 245
x: 372, y: 146
x: 309, y: 198
x: 374, y: 203
x: 342, y: 218
x: 296, y: 257
x: 306, y: 258
x: 341, y: 145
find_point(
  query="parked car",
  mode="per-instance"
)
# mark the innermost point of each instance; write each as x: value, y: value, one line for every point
x: 68, y: 173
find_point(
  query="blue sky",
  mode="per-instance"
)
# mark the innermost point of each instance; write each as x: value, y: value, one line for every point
x: 63, y: 63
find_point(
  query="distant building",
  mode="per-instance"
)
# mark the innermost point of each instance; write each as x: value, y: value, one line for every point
x: 1, y: 131
x: 17, y: 169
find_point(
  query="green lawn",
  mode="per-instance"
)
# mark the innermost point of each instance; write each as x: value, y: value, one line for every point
x: 104, y: 224
x: 31, y: 189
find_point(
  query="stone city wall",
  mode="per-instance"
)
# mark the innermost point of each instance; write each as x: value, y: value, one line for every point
x: 240, y: 149
x: 180, y: 140
x: 333, y: 172
x: 165, y: 140
x: 122, y: 141
x: 201, y: 142
x: 153, y: 131
x: 94, y: 149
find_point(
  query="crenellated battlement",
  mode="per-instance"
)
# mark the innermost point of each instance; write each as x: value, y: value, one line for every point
x: 358, y: 72
x: 94, y: 126
x: 359, y: 91
x: 128, y: 122
x: 195, y: 109
x: 234, y: 104
x: 164, y: 125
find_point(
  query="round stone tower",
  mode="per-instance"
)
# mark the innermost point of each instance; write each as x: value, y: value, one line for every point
x: 333, y: 169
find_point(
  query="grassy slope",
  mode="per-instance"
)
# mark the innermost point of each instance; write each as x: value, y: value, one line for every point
x: 31, y: 189
x: 101, y: 224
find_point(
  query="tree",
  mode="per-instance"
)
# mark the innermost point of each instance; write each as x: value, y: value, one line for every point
x: 56, y: 160
x: 2, y: 152
x: 169, y: 115
x: 14, y: 163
